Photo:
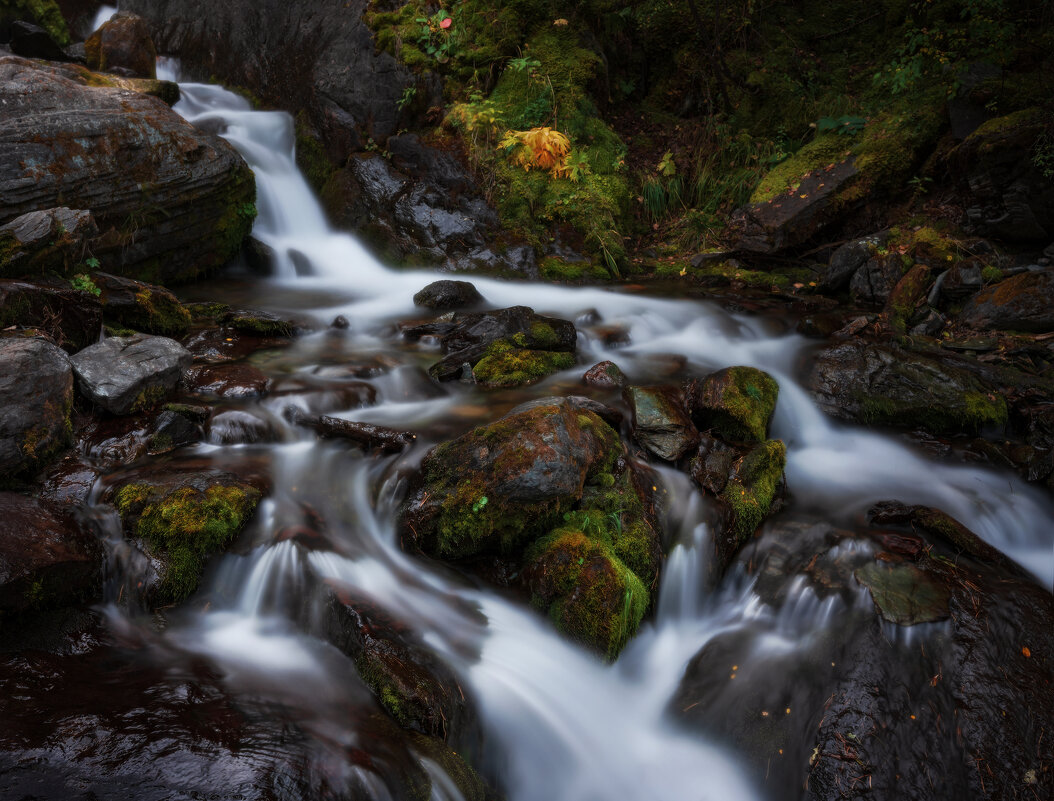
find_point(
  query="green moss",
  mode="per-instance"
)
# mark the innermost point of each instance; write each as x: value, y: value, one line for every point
x: 991, y: 275
x: 554, y: 269
x: 258, y: 324
x: 148, y: 398
x: 311, y: 156
x: 749, y: 494
x: 45, y: 12
x: 184, y: 526
x: 586, y: 589
x: 507, y: 366
x: 737, y: 403
x: 156, y: 313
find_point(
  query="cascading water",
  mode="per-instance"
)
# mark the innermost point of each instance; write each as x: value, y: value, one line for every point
x: 558, y: 723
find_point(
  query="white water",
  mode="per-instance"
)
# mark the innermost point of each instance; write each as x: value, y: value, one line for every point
x: 560, y: 725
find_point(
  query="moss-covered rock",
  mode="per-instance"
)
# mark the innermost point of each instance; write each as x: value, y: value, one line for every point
x: 141, y: 306
x: 749, y: 494
x: 181, y: 525
x: 736, y: 403
x: 904, y: 594
x: 45, y: 13
x: 587, y: 591
x: 1019, y: 303
x: 506, y: 365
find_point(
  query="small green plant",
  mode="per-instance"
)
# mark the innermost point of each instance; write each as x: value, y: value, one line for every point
x: 83, y: 283
x: 1043, y: 155
x: 920, y: 185
x: 247, y: 210
x: 407, y: 97
x: 92, y: 263
x: 435, y: 38
x: 479, y: 504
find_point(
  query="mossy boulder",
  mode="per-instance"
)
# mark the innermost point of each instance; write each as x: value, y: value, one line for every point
x: 499, y: 486
x: 886, y: 385
x: 123, y: 43
x: 604, y: 375
x: 141, y: 306
x: 36, y: 384
x: 749, y: 495
x: 904, y: 594
x: 505, y: 365
x: 586, y: 590
x: 1020, y: 303
x: 258, y: 322
x: 45, y: 13
x: 660, y: 422
x: 49, y: 241
x: 736, y: 403
x: 183, y: 522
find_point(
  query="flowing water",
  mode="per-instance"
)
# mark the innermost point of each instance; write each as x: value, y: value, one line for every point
x: 557, y: 722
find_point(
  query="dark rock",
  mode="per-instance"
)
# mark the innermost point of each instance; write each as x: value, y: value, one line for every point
x: 448, y: 295
x: 180, y: 520
x: 903, y: 594
x: 875, y: 279
x: 32, y: 41
x: 125, y: 374
x: 38, y: 242
x: 737, y: 403
x: 238, y: 426
x: 72, y: 318
x: 660, y: 422
x: 172, y: 430
x: 260, y: 323
x: 365, y: 434
x: 221, y: 344
x: 604, y: 375
x: 36, y: 385
x: 340, y: 322
x: 467, y: 337
x: 712, y: 465
x: 68, y: 483
x: 849, y: 258
x: 46, y: 562
x: 1021, y: 303
x: 141, y: 306
x: 416, y: 688
x: 228, y: 381
x: 493, y: 488
x: 123, y: 42
x: 609, y: 414
x: 879, y: 384
x: 962, y: 280
x: 793, y: 217
x: 1013, y: 199
x: 112, y: 441
x: 930, y: 325
x: 317, y: 396
x: 176, y: 208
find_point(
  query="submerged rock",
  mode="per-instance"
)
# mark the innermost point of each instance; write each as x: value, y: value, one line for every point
x: 128, y: 374
x: 172, y: 201
x: 36, y: 385
x: 736, y: 403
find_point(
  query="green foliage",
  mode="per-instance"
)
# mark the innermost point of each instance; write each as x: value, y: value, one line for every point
x: 83, y: 283
x: 407, y: 97
x: 846, y: 124
x: 45, y: 12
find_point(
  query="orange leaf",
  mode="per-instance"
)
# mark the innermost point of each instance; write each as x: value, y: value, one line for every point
x: 1026, y: 652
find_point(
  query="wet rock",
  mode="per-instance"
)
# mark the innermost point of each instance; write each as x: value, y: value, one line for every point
x: 467, y: 338
x: 849, y: 258
x: 416, y: 688
x: 504, y: 365
x: 32, y: 41
x: 793, y: 217
x: 73, y: 319
x: 126, y: 374
x: 228, y: 381
x: 587, y: 590
x: 906, y: 297
x: 172, y: 430
x: 884, y: 385
x: 74, y: 142
x: 141, y: 306
x: 736, y: 403
x: 448, y: 295
x: 903, y: 594
x: 340, y: 322
x: 367, y: 435
x: 39, y: 242
x: 492, y: 489
x: 68, y: 483
x: 223, y: 344
x: 713, y: 463
x: 604, y: 375
x: 875, y: 279
x: 122, y: 43
x: 180, y: 521
x: 318, y: 396
x: 46, y: 562
x: 936, y: 525
x: 749, y: 495
x: 260, y: 323
x: 36, y: 384
x: 238, y: 426
x: 1020, y: 303
x: 113, y: 441
x: 609, y: 414
x: 660, y: 422
x: 1012, y: 199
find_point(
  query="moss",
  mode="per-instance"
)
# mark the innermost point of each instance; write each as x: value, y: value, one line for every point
x: 258, y: 324
x: 586, y: 589
x: 749, y: 494
x: 148, y: 398
x: 45, y: 12
x: 507, y: 366
x: 991, y: 275
x: 184, y: 526
x: 311, y: 156
x: 156, y: 313
x: 554, y: 269
x: 737, y: 403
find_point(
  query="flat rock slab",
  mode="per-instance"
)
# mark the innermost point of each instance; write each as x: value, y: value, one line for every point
x: 36, y: 388
x: 124, y: 374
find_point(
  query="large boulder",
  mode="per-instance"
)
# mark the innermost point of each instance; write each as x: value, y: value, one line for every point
x: 1020, y: 303
x: 885, y: 385
x: 736, y: 403
x: 71, y: 317
x: 172, y: 201
x: 128, y: 374
x: 36, y: 385
x: 122, y: 43
x: 53, y: 240
x: 46, y: 561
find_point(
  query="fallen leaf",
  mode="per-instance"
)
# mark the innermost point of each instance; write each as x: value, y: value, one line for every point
x: 1026, y: 652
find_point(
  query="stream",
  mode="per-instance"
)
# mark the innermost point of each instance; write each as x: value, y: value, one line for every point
x: 556, y: 721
